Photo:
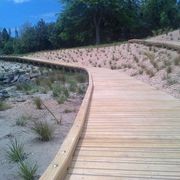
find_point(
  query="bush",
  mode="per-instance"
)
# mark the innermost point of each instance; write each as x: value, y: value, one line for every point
x: 43, y: 130
x: 38, y: 102
x: 57, y: 90
x: 27, y: 172
x: 72, y: 85
x: 3, y: 106
x: 61, y: 99
x: 81, y: 78
x: 15, y: 151
x: 177, y: 61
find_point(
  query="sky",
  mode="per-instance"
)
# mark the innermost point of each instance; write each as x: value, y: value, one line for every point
x: 14, y: 13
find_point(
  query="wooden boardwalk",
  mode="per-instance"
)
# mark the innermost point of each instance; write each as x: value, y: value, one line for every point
x: 125, y: 129
x: 132, y: 132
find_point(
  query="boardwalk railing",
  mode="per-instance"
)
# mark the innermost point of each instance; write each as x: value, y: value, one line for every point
x: 58, y: 167
x: 162, y: 44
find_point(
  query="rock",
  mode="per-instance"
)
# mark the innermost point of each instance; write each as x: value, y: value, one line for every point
x: 24, y: 78
x: 2, y: 77
x: 34, y: 75
x: 16, y: 77
x: 8, y: 78
x: 4, y: 94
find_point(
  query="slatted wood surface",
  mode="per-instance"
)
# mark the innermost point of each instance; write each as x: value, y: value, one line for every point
x: 132, y: 132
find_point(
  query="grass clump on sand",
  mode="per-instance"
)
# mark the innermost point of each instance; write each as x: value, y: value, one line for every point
x: 61, y: 93
x: 27, y: 171
x: 44, y: 130
x: 22, y: 121
x: 3, y: 106
x: 38, y: 102
x: 15, y: 152
x: 177, y: 60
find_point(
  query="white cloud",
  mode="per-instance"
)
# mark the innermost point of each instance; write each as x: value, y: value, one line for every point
x: 20, y: 1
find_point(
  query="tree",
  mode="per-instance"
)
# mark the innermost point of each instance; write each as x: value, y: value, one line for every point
x: 160, y: 13
x: 16, y: 33
x: 42, y: 35
x: 4, y: 35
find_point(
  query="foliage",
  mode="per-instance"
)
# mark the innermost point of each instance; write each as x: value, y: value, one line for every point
x: 27, y: 172
x: 15, y: 151
x: 43, y: 130
x: 85, y: 22
x: 3, y: 106
x: 22, y: 121
x: 38, y: 102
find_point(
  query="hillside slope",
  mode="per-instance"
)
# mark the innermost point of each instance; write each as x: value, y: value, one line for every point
x: 156, y: 66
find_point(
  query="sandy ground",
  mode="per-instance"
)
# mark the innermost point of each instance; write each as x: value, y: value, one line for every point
x: 38, y: 152
x: 22, y: 104
x: 156, y: 66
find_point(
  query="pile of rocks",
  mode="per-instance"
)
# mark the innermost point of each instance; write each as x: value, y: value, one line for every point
x: 13, y: 73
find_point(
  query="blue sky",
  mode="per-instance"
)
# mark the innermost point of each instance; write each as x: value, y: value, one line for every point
x: 14, y: 13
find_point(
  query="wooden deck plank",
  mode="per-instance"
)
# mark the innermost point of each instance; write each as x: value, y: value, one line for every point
x: 132, y: 132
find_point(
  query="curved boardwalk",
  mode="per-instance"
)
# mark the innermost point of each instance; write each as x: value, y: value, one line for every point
x: 125, y: 129
x: 132, y: 131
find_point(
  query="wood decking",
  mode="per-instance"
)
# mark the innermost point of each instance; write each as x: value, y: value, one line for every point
x: 132, y: 132
x: 125, y: 129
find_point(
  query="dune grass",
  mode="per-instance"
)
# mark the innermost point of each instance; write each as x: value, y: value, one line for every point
x: 15, y: 151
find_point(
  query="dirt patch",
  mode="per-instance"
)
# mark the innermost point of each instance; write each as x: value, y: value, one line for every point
x: 23, y: 106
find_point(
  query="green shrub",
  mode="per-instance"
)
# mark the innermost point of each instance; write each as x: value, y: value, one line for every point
x: 81, y: 78
x: 15, y: 151
x: 3, y: 106
x: 72, y: 85
x: 27, y: 172
x: 177, y: 61
x: 169, y: 69
x: 25, y: 87
x: 57, y: 89
x: 38, y: 102
x: 61, y: 99
x: 22, y: 121
x: 43, y: 130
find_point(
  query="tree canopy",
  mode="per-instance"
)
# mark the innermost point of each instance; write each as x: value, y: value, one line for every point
x: 84, y: 22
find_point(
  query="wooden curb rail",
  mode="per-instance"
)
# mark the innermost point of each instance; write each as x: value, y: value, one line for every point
x: 58, y: 167
x: 162, y: 44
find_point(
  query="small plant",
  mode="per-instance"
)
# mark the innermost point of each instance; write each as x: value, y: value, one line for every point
x: 15, y: 151
x: 57, y: 90
x: 68, y: 110
x: 27, y: 172
x: 61, y: 99
x: 38, y: 103
x: 169, y: 69
x: 171, y: 81
x: 22, y: 121
x: 25, y: 87
x: 72, y: 85
x: 43, y: 130
x: 81, y: 89
x: 177, y: 61
x: 3, y: 106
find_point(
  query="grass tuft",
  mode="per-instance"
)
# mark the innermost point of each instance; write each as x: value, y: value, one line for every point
x: 22, y: 121
x: 15, y: 152
x: 43, y: 130
x: 3, y: 106
x: 27, y: 172
x: 38, y: 102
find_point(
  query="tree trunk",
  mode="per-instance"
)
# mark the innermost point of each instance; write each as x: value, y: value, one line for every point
x: 97, y: 34
x: 97, y: 22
